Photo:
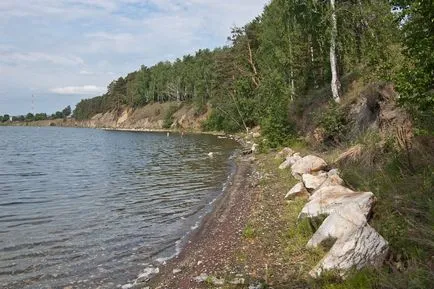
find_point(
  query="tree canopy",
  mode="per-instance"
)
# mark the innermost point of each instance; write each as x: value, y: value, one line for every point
x: 291, y: 48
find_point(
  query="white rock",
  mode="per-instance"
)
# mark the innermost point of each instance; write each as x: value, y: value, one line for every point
x: 332, y: 180
x: 333, y: 172
x: 201, y: 278
x: 216, y: 281
x: 297, y: 191
x: 307, y: 165
x: 312, y: 182
x: 237, y: 281
x: 355, y: 247
x: 326, y: 200
x: 341, y: 222
x: 127, y: 286
x: 255, y: 148
x: 211, y: 154
x: 289, y: 161
x: 176, y: 271
x: 284, y: 153
x: 148, y: 272
x: 286, y: 164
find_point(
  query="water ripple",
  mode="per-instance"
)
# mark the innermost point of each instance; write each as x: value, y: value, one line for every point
x: 87, y: 207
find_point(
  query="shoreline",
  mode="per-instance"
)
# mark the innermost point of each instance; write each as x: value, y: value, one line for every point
x: 122, y: 129
x: 207, y: 248
x: 162, y: 130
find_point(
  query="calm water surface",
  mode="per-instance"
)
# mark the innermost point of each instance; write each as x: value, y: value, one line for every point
x: 90, y: 208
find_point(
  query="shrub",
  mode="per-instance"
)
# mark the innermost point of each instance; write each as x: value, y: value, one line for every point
x: 334, y: 123
x: 168, y: 117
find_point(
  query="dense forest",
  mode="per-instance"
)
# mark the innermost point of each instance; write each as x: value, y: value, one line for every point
x: 280, y: 57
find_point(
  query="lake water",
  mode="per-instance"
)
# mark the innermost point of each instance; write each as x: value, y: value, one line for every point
x: 91, y: 208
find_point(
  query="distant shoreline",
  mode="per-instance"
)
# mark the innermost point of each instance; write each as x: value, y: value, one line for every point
x: 72, y: 123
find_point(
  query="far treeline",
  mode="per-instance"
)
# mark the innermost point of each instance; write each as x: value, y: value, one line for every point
x: 291, y: 49
x: 66, y: 112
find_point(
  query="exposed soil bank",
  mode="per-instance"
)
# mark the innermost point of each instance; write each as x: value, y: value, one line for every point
x: 167, y: 116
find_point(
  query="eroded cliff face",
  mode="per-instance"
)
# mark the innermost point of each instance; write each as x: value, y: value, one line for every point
x: 150, y: 117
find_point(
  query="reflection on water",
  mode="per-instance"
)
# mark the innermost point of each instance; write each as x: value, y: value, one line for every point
x: 90, y: 207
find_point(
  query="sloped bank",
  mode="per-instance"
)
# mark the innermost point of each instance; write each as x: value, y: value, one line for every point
x: 355, y: 244
x: 169, y: 116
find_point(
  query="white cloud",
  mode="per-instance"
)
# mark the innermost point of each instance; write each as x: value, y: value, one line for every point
x: 79, y: 90
x: 103, y: 41
x: 23, y: 57
x: 85, y: 72
x: 46, y: 44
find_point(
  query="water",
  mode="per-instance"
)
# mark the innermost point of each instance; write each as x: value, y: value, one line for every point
x: 90, y: 208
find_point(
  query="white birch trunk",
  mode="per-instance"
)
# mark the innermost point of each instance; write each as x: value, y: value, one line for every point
x: 335, y: 85
x: 291, y: 69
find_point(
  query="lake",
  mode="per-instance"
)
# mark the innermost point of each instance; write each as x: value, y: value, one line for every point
x: 88, y: 208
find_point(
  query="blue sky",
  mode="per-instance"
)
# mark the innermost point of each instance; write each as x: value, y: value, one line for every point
x: 64, y: 50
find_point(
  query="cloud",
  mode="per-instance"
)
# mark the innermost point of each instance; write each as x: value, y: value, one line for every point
x: 11, y: 57
x: 79, y: 90
x: 45, y: 44
x: 118, y: 42
x: 85, y: 72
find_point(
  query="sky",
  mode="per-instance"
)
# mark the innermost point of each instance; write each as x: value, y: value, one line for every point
x: 61, y: 51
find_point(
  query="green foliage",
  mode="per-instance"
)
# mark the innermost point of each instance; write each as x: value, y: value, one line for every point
x: 41, y: 116
x: 5, y: 118
x: 276, y: 127
x: 404, y: 215
x: 168, y: 117
x: 219, y: 121
x: 334, y: 123
x: 30, y: 117
x: 249, y: 232
x: 66, y: 111
x: 357, y: 280
x: 415, y: 82
x: 18, y: 118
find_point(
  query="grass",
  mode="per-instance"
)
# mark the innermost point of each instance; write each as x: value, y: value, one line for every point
x: 403, y: 215
x: 274, y: 245
x: 249, y: 232
x: 274, y: 241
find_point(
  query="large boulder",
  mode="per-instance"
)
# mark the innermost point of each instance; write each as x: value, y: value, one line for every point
x: 290, y: 161
x: 326, y: 200
x: 298, y: 190
x: 313, y: 182
x: 357, y: 243
x: 308, y: 165
x: 341, y: 222
x: 284, y: 153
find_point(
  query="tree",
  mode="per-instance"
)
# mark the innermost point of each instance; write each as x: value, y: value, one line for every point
x: 41, y: 116
x: 66, y: 111
x: 335, y: 84
x: 416, y: 80
x: 30, y: 117
x: 5, y: 118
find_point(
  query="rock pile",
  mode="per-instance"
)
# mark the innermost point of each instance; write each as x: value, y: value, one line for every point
x: 346, y: 212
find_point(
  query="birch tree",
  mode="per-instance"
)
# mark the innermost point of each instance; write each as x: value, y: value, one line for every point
x: 335, y: 85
